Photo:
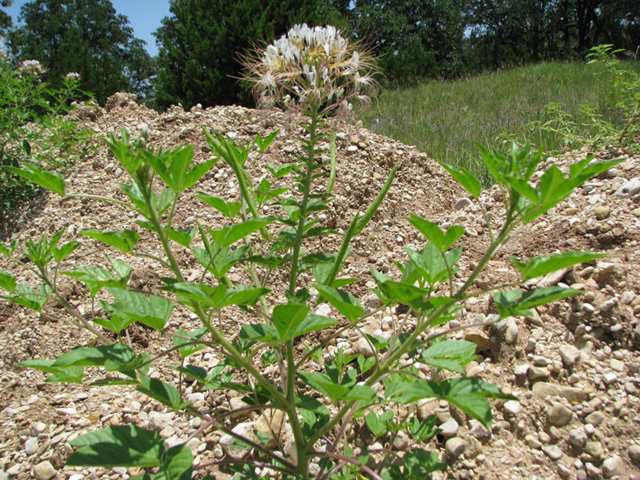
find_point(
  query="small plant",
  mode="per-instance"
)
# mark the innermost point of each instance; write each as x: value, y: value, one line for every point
x: 31, y: 116
x: 312, y: 400
x: 588, y: 127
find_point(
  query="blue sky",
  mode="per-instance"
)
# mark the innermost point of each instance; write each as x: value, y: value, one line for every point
x: 144, y: 16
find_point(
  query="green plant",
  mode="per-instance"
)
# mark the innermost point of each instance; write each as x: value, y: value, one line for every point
x: 32, y: 128
x: 317, y: 398
x: 626, y: 85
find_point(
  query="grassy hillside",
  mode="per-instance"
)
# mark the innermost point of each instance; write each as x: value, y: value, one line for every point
x: 446, y: 119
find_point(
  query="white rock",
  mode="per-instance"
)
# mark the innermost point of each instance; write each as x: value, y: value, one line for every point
x: 613, y: 466
x: 31, y: 446
x: 512, y: 407
x: 634, y: 453
x: 44, y: 471
x: 363, y: 347
x: 449, y: 428
x: 629, y: 188
x: 462, y: 203
x: 559, y: 415
x: 66, y: 411
x: 610, y: 378
x: 401, y: 441
x: 578, y: 438
x: 233, y: 448
x: 455, y: 447
x: 552, y: 451
x: 569, y: 354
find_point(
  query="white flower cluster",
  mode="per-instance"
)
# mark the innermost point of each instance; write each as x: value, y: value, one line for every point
x: 73, y: 76
x: 312, y: 67
x: 32, y: 67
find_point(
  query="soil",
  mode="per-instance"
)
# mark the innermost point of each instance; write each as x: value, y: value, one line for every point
x: 575, y: 365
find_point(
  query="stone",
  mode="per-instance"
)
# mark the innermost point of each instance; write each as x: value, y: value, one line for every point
x: 31, y: 446
x: 478, y: 430
x: 401, y: 441
x: 512, y: 407
x: 363, y: 347
x: 594, y: 449
x: 602, y: 212
x: 462, y: 203
x: 578, y: 438
x: 569, y: 354
x: 553, y: 452
x: 511, y: 332
x: 233, y: 448
x: 593, y: 471
x: 477, y: 336
x: 595, y: 418
x: 634, y: 454
x: 574, y: 395
x: 449, y: 428
x: 610, y: 378
x: 559, y: 415
x: 617, y: 365
x: 629, y: 188
x: 273, y: 426
x: 536, y: 372
x: 613, y: 466
x: 454, y: 447
x: 44, y: 471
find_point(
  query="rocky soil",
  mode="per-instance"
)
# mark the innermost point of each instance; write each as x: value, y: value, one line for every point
x: 575, y: 366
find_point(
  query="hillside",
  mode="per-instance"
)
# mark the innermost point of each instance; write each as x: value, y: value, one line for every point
x: 575, y: 366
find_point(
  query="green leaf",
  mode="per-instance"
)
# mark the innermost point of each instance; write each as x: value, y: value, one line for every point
x: 163, y: 392
x: 324, y: 384
x: 115, y: 323
x: 7, y: 281
x: 419, y: 464
x: 434, y: 234
x: 64, y: 251
x: 538, y: 266
x: 119, y: 446
x: 30, y: 298
x: 228, y: 209
x: 199, y: 292
x: 450, y: 348
x: 49, y: 180
x: 96, y: 278
x: 242, y: 296
x: 58, y: 374
x: 178, y: 339
x: 517, y: 303
x: 344, y: 302
x: 152, y: 310
x: 379, y: 425
x: 424, y: 430
x: 468, y: 181
x: 261, y: 332
x: 287, y: 318
x: 311, y: 323
x: 230, y: 235
x: 177, y: 463
x: 125, y: 240
x: 110, y: 356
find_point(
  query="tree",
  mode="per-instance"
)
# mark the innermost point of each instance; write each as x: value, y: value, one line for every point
x: 5, y: 19
x: 200, y: 45
x: 83, y: 36
x: 415, y: 38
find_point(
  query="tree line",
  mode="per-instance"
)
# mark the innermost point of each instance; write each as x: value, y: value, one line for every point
x: 201, y: 41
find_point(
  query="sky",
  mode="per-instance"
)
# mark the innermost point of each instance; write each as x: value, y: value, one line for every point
x: 144, y: 17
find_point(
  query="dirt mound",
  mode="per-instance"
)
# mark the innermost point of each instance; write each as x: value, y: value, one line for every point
x: 575, y: 366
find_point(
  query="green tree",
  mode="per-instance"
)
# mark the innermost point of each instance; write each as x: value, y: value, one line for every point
x: 83, y: 36
x: 201, y: 43
x: 5, y: 19
x: 414, y: 38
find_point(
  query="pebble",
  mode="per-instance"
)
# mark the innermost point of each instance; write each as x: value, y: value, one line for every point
x: 574, y: 395
x: 512, y: 407
x: 233, y: 449
x: 363, y: 347
x: 44, y: 471
x: 449, y: 428
x: 553, y: 452
x: 613, y: 466
x: 66, y: 411
x: 602, y: 212
x: 559, y: 415
x: 610, y: 378
x: 569, y: 354
x: 462, y: 203
x: 512, y: 331
x: 617, y: 365
x: 31, y: 446
x: 595, y: 418
x: 634, y: 453
x: 454, y: 447
x: 401, y: 441
x: 594, y: 449
x: 578, y: 438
